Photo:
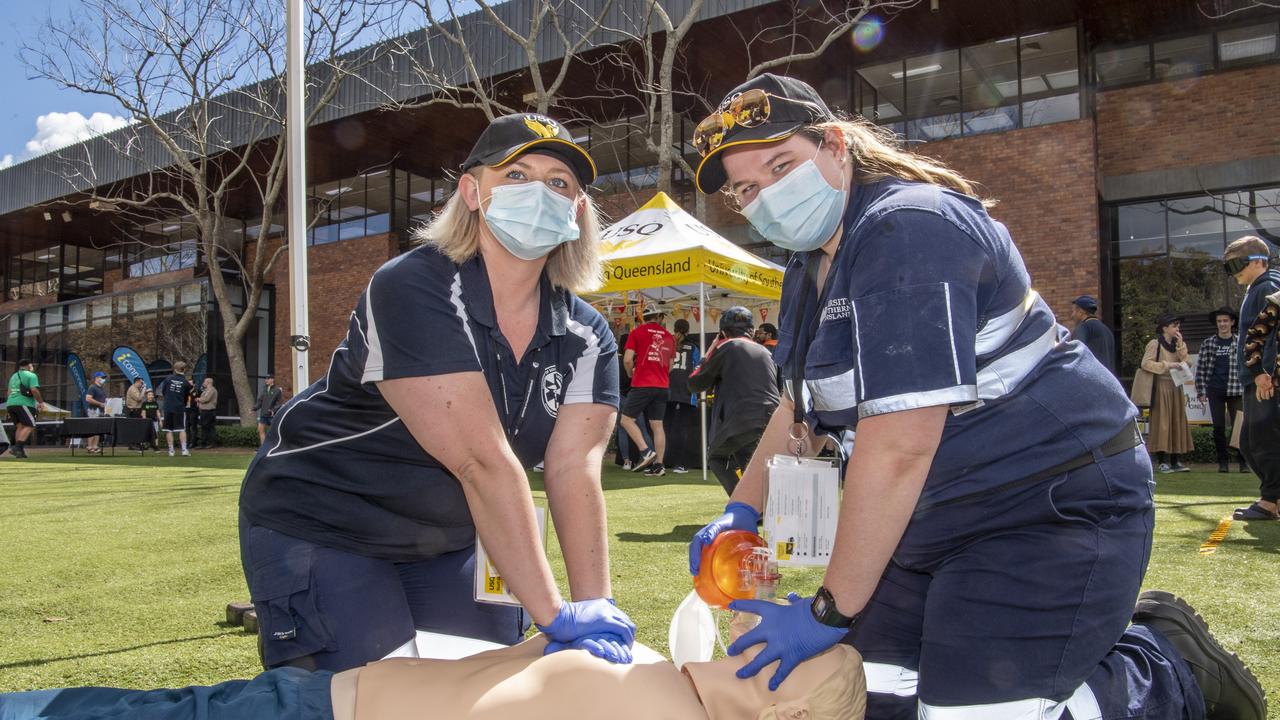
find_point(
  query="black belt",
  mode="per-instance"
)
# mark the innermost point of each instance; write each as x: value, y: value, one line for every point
x: 1126, y: 439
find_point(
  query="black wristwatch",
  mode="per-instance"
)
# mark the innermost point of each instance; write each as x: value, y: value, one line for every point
x: 824, y: 610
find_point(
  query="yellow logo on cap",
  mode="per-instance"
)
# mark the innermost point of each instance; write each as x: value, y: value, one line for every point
x: 542, y: 127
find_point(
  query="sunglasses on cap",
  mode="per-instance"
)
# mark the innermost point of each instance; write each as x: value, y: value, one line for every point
x: 748, y: 110
x: 1235, y: 265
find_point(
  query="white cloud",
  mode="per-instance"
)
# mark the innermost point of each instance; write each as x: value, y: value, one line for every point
x: 6, y: 161
x: 57, y: 130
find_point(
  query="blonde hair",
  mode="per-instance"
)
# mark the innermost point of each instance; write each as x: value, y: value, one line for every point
x: 574, y: 266
x: 878, y: 154
x: 842, y: 696
x: 1246, y: 246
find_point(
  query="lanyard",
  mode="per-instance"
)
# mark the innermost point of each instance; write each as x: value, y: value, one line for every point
x: 799, y: 351
x: 514, y: 423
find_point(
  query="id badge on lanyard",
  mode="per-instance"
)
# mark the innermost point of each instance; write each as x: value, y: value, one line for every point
x: 489, y: 585
x: 802, y: 494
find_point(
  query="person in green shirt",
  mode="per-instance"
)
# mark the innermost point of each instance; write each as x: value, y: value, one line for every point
x: 23, y: 402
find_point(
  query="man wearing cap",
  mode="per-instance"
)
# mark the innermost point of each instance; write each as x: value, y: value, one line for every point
x: 1248, y: 260
x: 467, y: 359
x: 1092, y: 332
x: 647, y: 359
x: 96, y: 403
x: 23, y: 401
x: 175, y: 393
x: 908, y: 315
x: 744, y: 378
x: 1218, y: 381
x: 269, y: 401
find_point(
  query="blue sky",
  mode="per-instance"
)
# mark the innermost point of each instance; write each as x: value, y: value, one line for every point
x: 26, y: 100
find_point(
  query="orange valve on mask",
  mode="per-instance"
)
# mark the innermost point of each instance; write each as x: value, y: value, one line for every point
x: 726, y: 573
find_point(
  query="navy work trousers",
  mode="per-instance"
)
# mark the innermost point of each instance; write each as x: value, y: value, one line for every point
x: 325, y: 609
x: 1017, y: 604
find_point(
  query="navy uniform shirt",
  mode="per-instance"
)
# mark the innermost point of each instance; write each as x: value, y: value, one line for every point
x: 174, y: 391
x: 928, y: 303
x: 339, y: 468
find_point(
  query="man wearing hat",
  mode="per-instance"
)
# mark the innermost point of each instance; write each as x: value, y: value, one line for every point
x: 744, y: 378
x: 1218, y: 381
x: 1092, y: 332
x: 647, y: 359
x: 96, y: 402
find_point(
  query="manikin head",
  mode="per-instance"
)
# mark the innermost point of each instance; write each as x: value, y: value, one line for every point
x: 828, y: 686
x: 1246, y: 259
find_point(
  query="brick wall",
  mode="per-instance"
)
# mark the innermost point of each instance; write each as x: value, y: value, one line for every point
x: 1044, y: 180
x: 1194, y: 121
x: 26, y: 304
x: 336, y: 274
x: 123, y: 284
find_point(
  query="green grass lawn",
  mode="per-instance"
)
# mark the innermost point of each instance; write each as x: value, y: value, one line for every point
x: 116, y: 571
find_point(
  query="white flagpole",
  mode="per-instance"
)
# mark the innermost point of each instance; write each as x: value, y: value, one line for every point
x: 296, y: 132
x: 702, y: 347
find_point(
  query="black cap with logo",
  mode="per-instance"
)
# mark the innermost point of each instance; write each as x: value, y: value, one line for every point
x: 792, y: 104
x: 511, y: 136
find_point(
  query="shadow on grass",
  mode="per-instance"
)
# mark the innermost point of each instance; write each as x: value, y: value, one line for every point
x: 679, y: 533
x: 221, y: 459
x: 45, y: 661
x: 1264, y: 536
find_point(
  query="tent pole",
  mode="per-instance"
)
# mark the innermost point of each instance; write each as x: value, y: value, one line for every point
x: 702, y: 348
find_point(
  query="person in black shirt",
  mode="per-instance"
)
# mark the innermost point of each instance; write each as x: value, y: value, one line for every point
x: 269, y: 401
x: 742, y: 373
x: 1218, y: 381
x: 683, y: 435
x: 151, y: 411
x: 1092, y: 332
x: 176, y: 392
x: 96, y: 402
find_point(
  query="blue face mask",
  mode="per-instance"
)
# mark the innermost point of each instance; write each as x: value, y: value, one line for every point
x: 800, y: 212
x: 530, y: 219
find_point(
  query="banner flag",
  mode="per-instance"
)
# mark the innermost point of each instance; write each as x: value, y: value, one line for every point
x: 76, y: 369
x: 131, y: 364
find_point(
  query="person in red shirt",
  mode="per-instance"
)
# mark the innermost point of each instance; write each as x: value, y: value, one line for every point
x: 647, y: 359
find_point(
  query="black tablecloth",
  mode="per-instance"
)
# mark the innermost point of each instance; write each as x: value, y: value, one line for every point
x: 123, y: 430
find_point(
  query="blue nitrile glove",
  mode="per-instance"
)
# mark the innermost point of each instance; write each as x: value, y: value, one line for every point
x: 737, y: 516
x: 790, y: 634
x: 599, y: 620
x: 607, y: 646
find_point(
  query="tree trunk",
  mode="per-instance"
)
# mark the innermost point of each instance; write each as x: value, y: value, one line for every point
x: 239, y: 375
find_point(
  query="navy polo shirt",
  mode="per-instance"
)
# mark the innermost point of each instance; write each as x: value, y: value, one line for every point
x: 341, y: 470
x: 928, y: 303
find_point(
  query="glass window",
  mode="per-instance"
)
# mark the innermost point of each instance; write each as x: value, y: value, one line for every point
x: 1050, y: 77
x: 881, y: 91
x: 102, y: 311
x: 1051, y: 110
x: 989, y: 87
x: 1195, y: 228
x: 1141, y: 230
x: 1123, y: 65
x: 1183, y: 56
x: 1252, y: 212
x: 1256, y: 43
x: 932, y: 95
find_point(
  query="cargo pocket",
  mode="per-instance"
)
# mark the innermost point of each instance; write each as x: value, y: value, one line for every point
x: 289, y: 620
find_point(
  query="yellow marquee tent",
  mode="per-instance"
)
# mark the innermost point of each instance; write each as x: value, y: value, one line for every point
x: 665, y: 254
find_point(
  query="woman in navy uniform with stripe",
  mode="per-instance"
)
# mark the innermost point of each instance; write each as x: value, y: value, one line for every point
x: 997, y: 512
x: 467, y: 359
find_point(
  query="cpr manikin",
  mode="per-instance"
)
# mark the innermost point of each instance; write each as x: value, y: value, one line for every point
x: 521, y: 682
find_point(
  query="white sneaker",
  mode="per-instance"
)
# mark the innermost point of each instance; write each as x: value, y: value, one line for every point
x: 538, y: 468
x: 680, y: 470
x: 644, y: 461
x: 186, y: 452
x: 170, y: 452
x: 1164, y: 469
x: 626, y: 464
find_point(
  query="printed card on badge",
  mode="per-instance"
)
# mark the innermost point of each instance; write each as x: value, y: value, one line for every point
x: 489, y: 585
x: 802, y: 506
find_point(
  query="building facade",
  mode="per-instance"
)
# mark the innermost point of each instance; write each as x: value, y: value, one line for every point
x: 1125, y: 142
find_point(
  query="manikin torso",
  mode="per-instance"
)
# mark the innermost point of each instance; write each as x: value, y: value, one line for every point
x: 521, y: 682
